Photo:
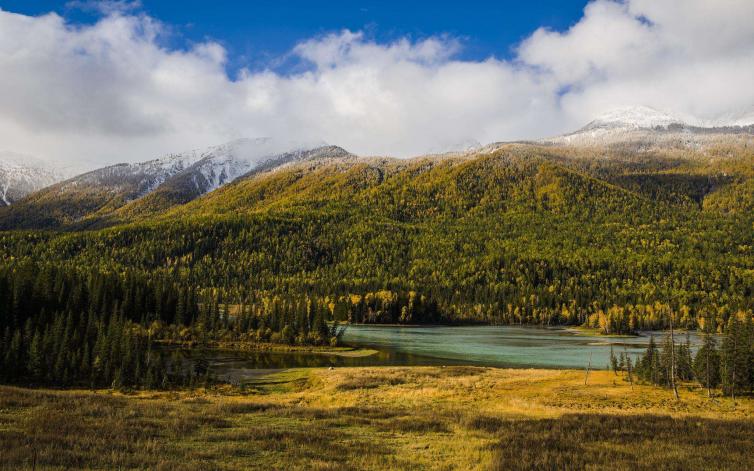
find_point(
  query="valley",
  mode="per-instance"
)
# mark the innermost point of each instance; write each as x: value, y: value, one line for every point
x: 391, y: 235
x: 210, y: 305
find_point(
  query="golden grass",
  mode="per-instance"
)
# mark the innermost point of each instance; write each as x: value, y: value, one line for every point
x: 382, y: 418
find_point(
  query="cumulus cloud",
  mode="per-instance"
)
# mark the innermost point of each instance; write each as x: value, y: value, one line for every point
x: 112, y: 91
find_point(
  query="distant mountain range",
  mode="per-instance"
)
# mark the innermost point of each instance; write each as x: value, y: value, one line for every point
x: 36, y: 198
x: 101, y: 195
x: 650, y: 128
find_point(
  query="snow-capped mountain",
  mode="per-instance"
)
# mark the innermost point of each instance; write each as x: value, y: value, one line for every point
x: 137, y: 179
x: 222, y: 164
x: 644, y: 127
x: 226, y: 163
x: 21, y: 175
x: 205, y: 170
x: 155, y: 185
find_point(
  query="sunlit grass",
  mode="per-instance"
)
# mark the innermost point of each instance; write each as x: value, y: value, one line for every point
x: 382, y: 418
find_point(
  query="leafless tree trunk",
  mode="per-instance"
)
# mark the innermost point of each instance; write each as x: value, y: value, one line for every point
x: 709, y: 383
x: 672, y: 359
x: 589, y: 366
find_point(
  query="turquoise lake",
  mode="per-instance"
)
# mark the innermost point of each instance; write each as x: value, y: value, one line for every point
x: 500, y: 346
x: 505, y: 346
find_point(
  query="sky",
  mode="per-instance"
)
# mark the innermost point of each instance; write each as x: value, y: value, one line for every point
x: 87, y: 83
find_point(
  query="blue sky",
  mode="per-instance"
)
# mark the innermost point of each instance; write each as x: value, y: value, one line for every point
x: 257, y: 33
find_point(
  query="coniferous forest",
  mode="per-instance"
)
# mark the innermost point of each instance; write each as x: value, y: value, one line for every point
x: 524, y: 235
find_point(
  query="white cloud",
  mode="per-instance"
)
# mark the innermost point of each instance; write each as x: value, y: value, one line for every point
x: 112, y: 91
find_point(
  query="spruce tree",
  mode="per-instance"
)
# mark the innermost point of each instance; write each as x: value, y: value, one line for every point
x: 646, y: 368
x: 707, y: 364
x: 734, y: 358
x: 684, y: 363
x: 36, y: 363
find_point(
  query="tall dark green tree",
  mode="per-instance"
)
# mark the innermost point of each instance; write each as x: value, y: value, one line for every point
x: 707, y: 364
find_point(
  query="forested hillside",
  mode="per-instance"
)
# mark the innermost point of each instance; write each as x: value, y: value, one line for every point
x: 521, y: 235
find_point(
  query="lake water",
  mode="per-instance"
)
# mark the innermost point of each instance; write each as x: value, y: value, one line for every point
x: 502, y: 346
x: 505, y: 346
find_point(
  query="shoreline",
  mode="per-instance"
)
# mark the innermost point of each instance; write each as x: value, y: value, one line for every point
x: 343, y: 351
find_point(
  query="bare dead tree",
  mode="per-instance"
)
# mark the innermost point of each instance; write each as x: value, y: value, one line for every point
x: 672, y: 359
x: 589, y: 366
x: 628, y: 366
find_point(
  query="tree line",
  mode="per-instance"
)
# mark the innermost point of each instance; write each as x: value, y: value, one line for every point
x: 727, y: 364
x: 66, y: 327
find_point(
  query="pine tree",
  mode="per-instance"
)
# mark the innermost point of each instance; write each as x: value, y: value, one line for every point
x: 667, y: 359
x: 36, y: 363
x: 647, y: 367
x: 684, y: 364
x: 734, y: 355
x: 707, y: 364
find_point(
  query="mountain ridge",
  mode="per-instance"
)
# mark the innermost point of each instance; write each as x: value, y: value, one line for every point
x: 99, y: 194
x: 646, y: 128
x: 21, y: 175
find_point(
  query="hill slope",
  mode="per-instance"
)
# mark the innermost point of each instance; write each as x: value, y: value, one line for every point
x: 99, y: 197
x: 520, y: 234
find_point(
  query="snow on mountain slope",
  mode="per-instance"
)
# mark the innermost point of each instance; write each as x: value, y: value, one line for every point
x: 136, y: 179
x: 644, y: 128
x: 225, y: 163
x: 21, y: 175
x: 215, y: 166
x: 121, y: 191
x: 220, y: 165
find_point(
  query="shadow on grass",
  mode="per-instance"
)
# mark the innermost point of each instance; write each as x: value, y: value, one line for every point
x: 64, y: 430
x: 600, y: 441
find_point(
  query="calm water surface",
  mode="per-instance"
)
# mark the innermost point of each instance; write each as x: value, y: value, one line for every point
x: 504, y: 346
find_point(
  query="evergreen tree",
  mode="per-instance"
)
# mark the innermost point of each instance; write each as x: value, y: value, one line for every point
x: 36, y: 366
x: 684, y: 363
x: 734, y: 358
x: 707, y: 364
x: 647, y: 368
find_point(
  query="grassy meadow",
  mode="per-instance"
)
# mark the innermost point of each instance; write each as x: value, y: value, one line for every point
x: 382, y: 418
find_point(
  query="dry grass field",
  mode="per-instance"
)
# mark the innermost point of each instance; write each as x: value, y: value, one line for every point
x: 382, y: 418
